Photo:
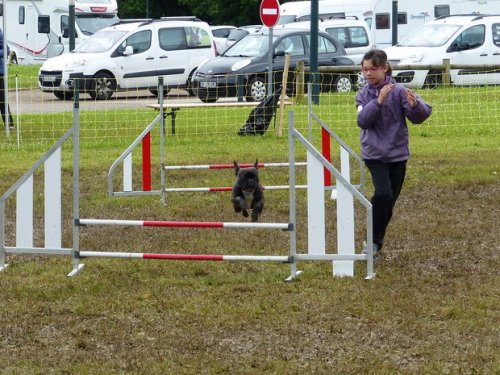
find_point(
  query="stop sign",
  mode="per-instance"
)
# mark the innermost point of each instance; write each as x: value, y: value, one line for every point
x: 269, y: 12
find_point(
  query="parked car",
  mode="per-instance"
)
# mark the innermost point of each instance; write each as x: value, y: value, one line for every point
x: 464, y: 39
x: 131, y: 56
x: 240, y: 33
x: 354, y: 35
x: 246, y: 64
x: 220, y: 34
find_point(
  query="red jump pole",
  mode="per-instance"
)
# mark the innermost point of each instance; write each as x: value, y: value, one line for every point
x: 146, y: 162
x: 325, y: 146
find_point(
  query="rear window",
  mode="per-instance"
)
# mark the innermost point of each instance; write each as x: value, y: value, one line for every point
x: 349, y: 37
x: 495, y: 29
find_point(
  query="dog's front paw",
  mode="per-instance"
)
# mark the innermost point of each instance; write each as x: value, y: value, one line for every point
x: 245, y: 213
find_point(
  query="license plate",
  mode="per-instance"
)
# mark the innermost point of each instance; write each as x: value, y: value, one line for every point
x: 48, y: 78
x: 208, y: 85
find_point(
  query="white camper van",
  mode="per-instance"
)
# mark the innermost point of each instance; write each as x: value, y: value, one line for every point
x: 465, y: 40
x: 38, y: 29
x: 378, y: 13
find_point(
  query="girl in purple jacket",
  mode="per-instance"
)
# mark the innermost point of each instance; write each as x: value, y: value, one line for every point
x: 383, y: 106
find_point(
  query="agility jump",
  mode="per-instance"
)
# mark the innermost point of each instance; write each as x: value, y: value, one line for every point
x: 316, y: 162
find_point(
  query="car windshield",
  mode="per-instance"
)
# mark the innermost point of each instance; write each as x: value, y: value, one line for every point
x: 89, y: 24
x: 253, y: 45
x: 287, y: 19
x: 430, y: 36
x: 101, y: 41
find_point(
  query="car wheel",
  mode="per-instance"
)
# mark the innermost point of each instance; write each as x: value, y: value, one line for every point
x: 103, y: 86
x: 189, y: 85
x: 208, y: 99
x: 155, y: 92
x: 433, y: 80
x: 342, y: 83
x: 360, y: 80
x: 256, y: 90
x: 63, y: 95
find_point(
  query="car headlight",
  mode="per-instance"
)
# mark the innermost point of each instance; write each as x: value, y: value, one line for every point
x: 77, y: 63
x: 240, y: 64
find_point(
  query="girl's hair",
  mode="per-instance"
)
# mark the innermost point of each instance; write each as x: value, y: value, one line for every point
x: 378, y: 58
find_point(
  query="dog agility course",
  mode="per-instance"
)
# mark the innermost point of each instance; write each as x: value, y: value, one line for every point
x: 343, y: 259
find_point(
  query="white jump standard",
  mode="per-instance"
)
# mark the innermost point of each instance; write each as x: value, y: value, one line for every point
x: 51, y: 162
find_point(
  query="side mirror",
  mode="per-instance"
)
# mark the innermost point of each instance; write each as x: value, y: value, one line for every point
x: 464, y: 46
x: 279, y: 53
x: 128, y: 51
x: 65, y: 32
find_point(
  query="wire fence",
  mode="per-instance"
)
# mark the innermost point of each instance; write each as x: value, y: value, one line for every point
x: 41, y: 117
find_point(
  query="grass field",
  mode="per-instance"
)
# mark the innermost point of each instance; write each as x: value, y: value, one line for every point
x: 432, y: 309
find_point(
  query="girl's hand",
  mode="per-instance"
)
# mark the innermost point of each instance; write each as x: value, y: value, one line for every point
x: 412, y: 99
x: 384, y: 92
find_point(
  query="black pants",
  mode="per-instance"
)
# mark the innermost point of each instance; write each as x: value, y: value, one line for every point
x: 387, y: 180
x: 2, y: 103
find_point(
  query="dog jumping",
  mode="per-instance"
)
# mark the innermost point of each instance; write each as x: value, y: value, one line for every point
x: 247, y: 193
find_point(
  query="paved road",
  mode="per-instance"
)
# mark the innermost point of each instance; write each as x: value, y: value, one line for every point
x: 36, y: 101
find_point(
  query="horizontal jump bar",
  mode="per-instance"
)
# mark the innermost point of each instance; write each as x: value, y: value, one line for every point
x: 185, y: 224
x: 229, y: 166
x: 229, y: 188
x: 196, y: 257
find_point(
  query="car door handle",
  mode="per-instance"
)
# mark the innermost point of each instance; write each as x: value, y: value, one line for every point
x: 164, y: 57
x: 483, y: 54
x: 496, y: 54
x: 149, y: 58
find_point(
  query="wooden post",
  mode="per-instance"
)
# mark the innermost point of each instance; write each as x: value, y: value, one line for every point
x: 446, y: 73
x: 299, y: 89
x: 283, y: 94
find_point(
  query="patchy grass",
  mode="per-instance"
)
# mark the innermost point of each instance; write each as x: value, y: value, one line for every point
x: 432, y: 309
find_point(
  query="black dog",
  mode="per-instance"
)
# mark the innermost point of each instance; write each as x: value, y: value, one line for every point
x: 247, y: 191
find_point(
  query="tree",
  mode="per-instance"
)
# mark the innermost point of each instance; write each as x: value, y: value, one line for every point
x: 215, y: 12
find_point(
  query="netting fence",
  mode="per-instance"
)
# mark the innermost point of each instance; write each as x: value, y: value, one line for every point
x: 41, y: 117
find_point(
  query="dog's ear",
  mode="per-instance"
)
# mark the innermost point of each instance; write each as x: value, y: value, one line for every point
x: 256, y: 164
x: 236, y: 168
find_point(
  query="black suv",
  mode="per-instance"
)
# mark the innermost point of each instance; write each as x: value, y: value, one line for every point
x: 242, y: 69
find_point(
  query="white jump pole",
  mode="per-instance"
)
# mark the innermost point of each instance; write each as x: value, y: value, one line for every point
x: 345, y: 220
x: 185, y: 224
x: 229, y: 166
x: 187, y: 257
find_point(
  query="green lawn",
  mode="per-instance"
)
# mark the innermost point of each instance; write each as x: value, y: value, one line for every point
x: 432, y: 309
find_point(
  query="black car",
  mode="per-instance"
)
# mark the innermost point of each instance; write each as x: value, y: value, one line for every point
x: 242, y: 69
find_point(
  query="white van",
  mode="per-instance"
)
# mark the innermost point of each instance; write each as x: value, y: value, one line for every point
x: 131, y: 56
x: 378, y: 13
x: 465, y: 40
x: 353, y: 34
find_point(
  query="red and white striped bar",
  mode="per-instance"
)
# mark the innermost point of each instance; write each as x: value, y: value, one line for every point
x: 228, y: 188
x: 229, y: 166
x: 190, y: 257
x: 185, y: 224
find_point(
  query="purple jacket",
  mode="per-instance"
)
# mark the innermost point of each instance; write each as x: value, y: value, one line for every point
x: 384, y: 133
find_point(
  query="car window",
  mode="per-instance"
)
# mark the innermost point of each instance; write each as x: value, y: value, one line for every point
x: 101, y: 41
x: 172, y: 39
x: 324, y: 45
x: 338, y: 33
x: 197, y: 37
x: 292, y: 45
x: 358, y: 37
x: 140, y: 41
x: 221, y: 33
x: 473, y: 37
x: 495, y: 29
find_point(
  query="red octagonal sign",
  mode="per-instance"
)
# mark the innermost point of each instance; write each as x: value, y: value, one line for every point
x: 269, y: 12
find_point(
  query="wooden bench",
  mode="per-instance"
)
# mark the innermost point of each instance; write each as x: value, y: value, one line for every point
x: 171, y: 109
